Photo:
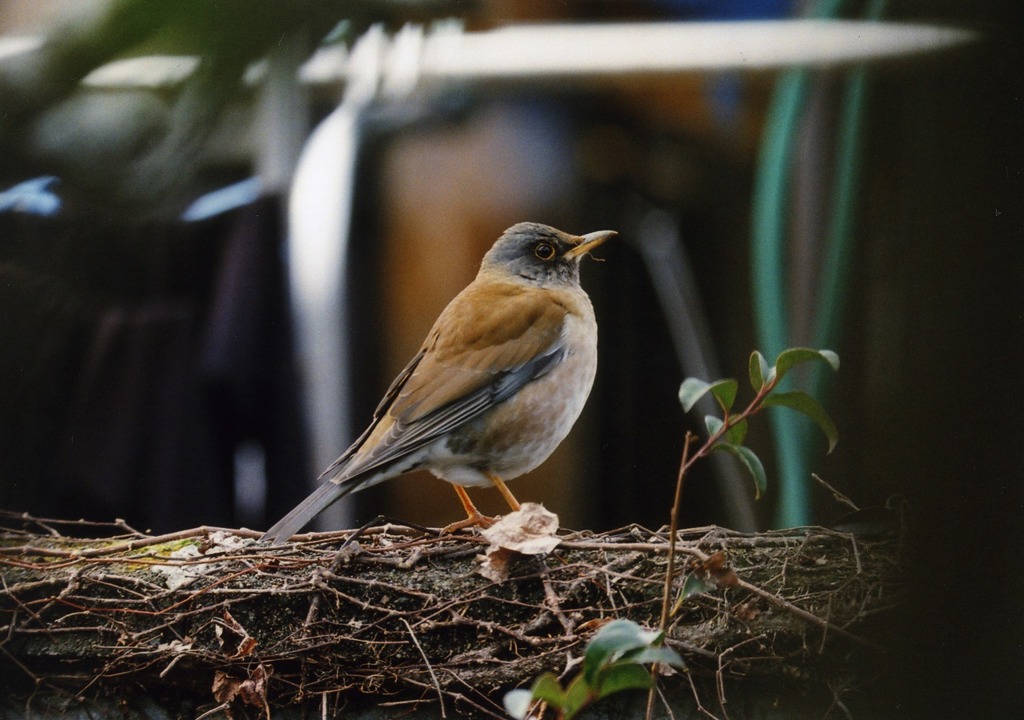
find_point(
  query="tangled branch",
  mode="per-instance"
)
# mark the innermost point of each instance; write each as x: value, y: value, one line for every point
x: 402, y: 614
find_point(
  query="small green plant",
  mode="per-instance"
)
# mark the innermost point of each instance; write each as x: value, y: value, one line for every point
x: 614, y: 661
x: 728, y: 432
x: 615, y: 657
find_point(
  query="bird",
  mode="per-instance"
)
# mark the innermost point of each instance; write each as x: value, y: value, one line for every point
x: 497, y: 384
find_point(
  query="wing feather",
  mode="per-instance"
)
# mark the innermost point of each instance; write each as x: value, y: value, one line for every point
x: 488, y: 343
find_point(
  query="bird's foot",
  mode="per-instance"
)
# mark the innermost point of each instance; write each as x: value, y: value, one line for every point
x: 475, y: 520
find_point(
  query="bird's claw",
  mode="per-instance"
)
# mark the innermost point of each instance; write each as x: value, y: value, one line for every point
x: 476, y: 520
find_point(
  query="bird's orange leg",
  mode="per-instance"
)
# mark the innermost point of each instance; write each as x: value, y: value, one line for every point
x: 505, y: 492
x: 473, y: 516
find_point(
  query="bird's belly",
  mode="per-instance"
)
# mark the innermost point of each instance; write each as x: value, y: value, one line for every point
x: 520, y: 433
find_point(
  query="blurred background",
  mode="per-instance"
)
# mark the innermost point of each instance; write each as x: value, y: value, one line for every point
x: 225, y: 227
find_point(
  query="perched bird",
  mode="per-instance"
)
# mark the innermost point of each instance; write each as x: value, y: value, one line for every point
x: 495, y: 387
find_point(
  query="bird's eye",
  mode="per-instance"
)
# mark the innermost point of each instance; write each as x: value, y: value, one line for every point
x: 545, y: 251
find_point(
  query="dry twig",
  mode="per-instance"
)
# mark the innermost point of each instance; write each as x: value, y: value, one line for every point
x: 406, y: 613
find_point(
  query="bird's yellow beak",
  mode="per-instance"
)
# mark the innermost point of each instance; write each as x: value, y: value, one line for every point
x: 588, y: 242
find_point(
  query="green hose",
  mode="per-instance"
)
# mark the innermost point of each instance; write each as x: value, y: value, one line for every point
x: 770, y: 205
x: 770, y: 211
x: 837, y: 268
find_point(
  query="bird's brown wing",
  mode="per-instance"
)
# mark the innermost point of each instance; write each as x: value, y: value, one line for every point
x: 489, y: 342
x: 379, y: 417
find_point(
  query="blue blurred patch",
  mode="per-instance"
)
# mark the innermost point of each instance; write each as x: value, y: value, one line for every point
x: 726, y: 9
x: 32, y: 197
x: 220, y: 201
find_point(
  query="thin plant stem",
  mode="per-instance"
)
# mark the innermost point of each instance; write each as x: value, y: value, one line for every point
x: 728, y: 422
x: 666, y: 598
x: 687, y: 460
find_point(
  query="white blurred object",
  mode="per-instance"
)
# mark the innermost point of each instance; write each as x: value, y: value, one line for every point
x: 555, y: 51
x: 446, y: 53
x: 319, y: 219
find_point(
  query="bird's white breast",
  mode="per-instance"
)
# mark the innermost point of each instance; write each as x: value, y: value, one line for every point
x: 520, y: 433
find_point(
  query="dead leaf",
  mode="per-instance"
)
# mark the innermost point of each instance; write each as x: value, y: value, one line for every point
x: 225, y: 687
x: 530, y: 530
x: 220, y: 542
x: 593, y: 624
x: 494, y: 564
x: 252, y: 691
x: 175, y: 646
x: 716, y: 570
x: 747, y: 611
x: 178, y: 576
x: 230, y: 630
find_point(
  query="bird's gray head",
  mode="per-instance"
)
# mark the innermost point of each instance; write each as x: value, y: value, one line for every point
x: 541, y: 254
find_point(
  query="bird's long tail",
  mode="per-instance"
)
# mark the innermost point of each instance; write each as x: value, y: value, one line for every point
x: 323, y: 496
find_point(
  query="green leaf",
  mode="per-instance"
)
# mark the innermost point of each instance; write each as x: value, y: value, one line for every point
x: 517, y: 703
x: 659, y: 654
x: 831, y: 358
x: 579, y: 694
x: 713, y: 424
x: 611, y: 642
x: 792, y: 357
x: 624, y: 676
x: 693, y: 390
x: 804, y: 403
x: 546, y: 687
x: 750, y: 461
x: 693, y: 585
x: 737, y: 433
x: 725, y: 392
x: 758, y: 370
